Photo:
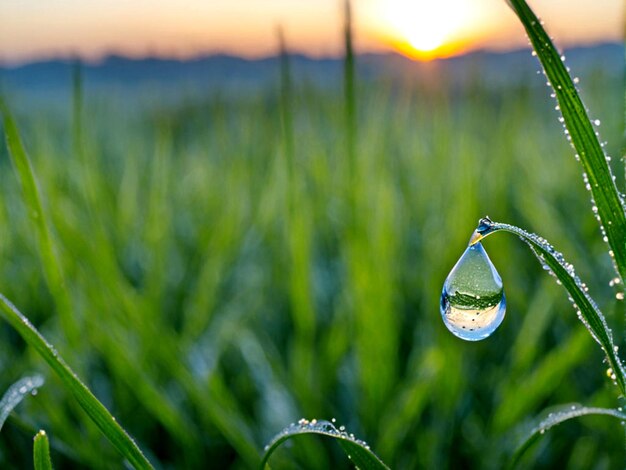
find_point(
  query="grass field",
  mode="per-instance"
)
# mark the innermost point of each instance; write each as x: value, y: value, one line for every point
x: 219, y: 291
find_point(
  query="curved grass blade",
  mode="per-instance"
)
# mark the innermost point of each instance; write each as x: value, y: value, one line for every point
x: 556, y: 417
x: 588, y: 311
x: 41, y: 452
x: 600, y: 180
x: 16, y: 393
x: 32, y: 199
x: 88, y: 402
x: 358, y: 451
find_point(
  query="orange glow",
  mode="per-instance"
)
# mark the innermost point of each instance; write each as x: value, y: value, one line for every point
x: 424, y: 29
x: 442, y: 51
x: 420, y: 29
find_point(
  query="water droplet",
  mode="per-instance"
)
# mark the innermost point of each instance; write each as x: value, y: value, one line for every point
x: 472, y: 301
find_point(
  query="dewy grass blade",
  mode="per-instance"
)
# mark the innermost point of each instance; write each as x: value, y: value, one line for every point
x: 610, y: 208
x: 357, y: 451
x: 59, y: 447
x: 16, y: 393
x: 41, y: 452
x: 556, y: 417
x: 94, y: 409
x: 32, y: 199
x: 588, y: 311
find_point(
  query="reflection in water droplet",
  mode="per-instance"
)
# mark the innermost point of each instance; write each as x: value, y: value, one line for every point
x: 472, y: 301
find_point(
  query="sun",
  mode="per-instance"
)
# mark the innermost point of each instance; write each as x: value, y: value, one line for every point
x: 423, y: 28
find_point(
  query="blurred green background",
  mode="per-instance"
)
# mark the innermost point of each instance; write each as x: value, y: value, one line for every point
x: 220, y: 296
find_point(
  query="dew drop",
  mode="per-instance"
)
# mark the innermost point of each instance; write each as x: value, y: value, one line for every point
x: 472, y: 300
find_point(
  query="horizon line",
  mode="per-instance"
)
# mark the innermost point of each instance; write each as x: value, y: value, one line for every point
x: 100, y: 59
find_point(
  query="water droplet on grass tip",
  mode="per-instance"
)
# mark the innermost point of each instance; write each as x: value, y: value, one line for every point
x: 472, y: 300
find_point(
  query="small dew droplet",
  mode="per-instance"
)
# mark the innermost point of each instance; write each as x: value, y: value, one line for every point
x: 472, y: 301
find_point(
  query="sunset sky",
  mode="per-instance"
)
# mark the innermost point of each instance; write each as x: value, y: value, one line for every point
x: 31, y: 29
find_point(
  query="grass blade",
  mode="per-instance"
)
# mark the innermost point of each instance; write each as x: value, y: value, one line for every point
x: 59, y: 447
x: 588, y: 311
x: 556, y: 417
x: 41, y: 452
x: 286, y: 112
x: 32, y: 199
x: 88, y: 402
x: 77, y: 108
x: 610, y: 208
x: 356, y: 450
x: 350, y: 97
x: 16, y: 393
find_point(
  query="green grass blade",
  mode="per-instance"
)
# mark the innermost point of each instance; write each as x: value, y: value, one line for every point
x: 88, y: 402
x: 610, y: 208
x: 350, y: 94
x: 286, y: 112
x: 32, y: 199
x: 59, y: 447
x: 16, y: 393
x: 41, y: 452
x: 588, y: 311
x: 556, y: 417
x: 77, y: 108
x: 356, y: 450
